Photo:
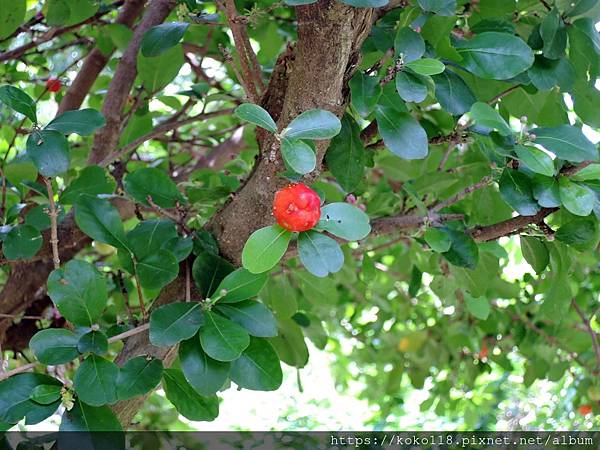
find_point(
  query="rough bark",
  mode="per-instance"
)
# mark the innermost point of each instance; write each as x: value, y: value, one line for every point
x: 96, y: 61
x: 330, y: 35
x: 106, y: 139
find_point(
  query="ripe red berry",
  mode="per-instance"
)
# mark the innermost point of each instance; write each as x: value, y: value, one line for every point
x: 584, y: 410
x: 484, y: 352
x: 297, y: 207
x: 53, y: 84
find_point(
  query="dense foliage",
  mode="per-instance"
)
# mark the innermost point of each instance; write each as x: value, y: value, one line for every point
x: 143, y: 143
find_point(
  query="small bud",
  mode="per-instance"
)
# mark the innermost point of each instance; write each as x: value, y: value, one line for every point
x: 532, y: 137
x: 95, y: 327
x: 523, y: 119
x: 223, y: 292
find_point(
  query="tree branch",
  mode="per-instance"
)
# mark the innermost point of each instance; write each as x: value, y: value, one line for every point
x: 508, y: 227
x: 591, y: 332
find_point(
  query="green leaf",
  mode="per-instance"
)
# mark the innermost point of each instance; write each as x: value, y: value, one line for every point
x: 438, y: 240
x: 264, y: 248
x: 591, y: 172
x: 452, y: 92
x: 320, y: 254
x: 314, y: 124
x: 411, y: 87
x: 258, y: 116
x: 486, y: 116
x: 175, y: 322
x: 100, y: 220
x: 15, y: 393
x: 258, y: 368
x: 82, y: 122
x: 253, y: 316
x: 554, y: 35
x: 241, y: 285
x: 566, y: 142
x: 149, y: 236
x: 345, y: 221
x: 346, y: 156
x: 92, y: 180
x: 548, y: 73
x: 12, y: 14
x: 580, y: 233
x: 365, y: 91
x: 578, y: 199
x: 94, y: 342
x: 478, y: 307
x: 463, y: 251
x: 18, y: 100
x: 441, y: 7
x: 162, y: 37
x: 426, y: 66
x: 209, y: 271
x: 496, y: 56
x: 157, y: 270
x: 298, y: 156
x: 535, y: 159
x: 516, y: 190
x: 535, y: 253
x: 158, y: 71
x: 409, y: 44
x: 187, y: 401
x: 402, y: 134
x: 54, y: 346
x: 545, y: 191
x: 221, y: 338
x: 138, y: 376
x: 79, y: 292
x: 96, y: 381
x: 22, y: 242
x: 45, y: 394
x: 206, y: 375
x: 49, y: 152
x: 90, y: 419
x: 154, y: 183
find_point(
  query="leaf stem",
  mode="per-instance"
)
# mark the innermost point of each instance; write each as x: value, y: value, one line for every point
x: 53, y: 214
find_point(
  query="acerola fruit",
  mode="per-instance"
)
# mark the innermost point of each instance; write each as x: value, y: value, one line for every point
x: 484, y: 352
x: 297, y: 207
x: 584, y: 410
x: 53, y: 84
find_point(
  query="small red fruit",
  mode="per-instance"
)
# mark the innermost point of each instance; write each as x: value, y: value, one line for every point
x: 484, y: 352
x: 297, y: 207
x: 584, y: 410
x: 53, y: 84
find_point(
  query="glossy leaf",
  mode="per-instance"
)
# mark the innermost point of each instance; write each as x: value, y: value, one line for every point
x: 162, y: 37
x: 515, y: 189
x: 94, y: 342
x: 22, y: 242
x: 578, y: 199
x: 345, y: 221
x: 54, y: 346
x: 426, y: 66
x: 402, y: 134
x: 535, y: 159
x: 409, y: 44
x: 566, y: 142
x: 298, y: 156
x: 100, y: 220
x: 221, y: 338
x: 253, y: 316
x: 453, y: 93
x: 12, y: 14
x: 206, y: 375
x: 320, y: 254
x: 488, y: 117
x: 240, y: 285
x: 188, y: 402
x: 441, y: 7
x: 95, y: 381
x: 157, y: 270
x: 138, y: 376
x: 346, y: 156
x: 264, y: 248
x: 258, y: 368
x: 79, y: 292
x: 15, y: 393
x: 313, y: 124
x: 49, y: 151
x: 86, y: 418
x: 154, y: 183
x: 83, y: 122
x: 92, y: 180
x: 258, y: 116
x: 46, y: 394
x: 175, y: 322
x: 463, y: 250
x: 535, y: 253
x: 209, y: 271
x: 17, y: 100
x: 365, y: 91
x: 411, y: 87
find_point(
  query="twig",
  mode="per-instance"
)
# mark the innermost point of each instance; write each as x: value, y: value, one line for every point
x: 188, y: 281
x: 17, y: 316
x: 592, y: 333
x: 446, y: 156
x: 503, y: 94
x: 546, y: 5
x: 140, y: 296
x: 21, y: 369
x: 121, y: 284
x: 53, y: 214
x: 485, y: 181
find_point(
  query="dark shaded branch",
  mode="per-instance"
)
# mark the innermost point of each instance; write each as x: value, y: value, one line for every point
x: 510, y: 226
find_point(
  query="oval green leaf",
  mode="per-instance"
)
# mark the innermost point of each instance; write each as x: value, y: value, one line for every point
x: 264, y: 248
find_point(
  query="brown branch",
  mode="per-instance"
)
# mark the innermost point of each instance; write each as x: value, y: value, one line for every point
x: 485, y: 181
x: 503, y: 94
x: 158, y: 131
x: 96, y: 61
x: 106, y: 139
x: 508, y: 227
x: 388, y: 225
x: 590, y: 331
x: 53, y: 33
x: 53, y: 215
x: 572, y: 170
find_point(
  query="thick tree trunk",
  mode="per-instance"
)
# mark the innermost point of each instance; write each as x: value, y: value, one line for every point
x: 330, y: 35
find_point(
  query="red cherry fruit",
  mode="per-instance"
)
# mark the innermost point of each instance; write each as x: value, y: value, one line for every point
x: 484, y: 352
x: 297, y: 207
x: 584, y: 410
x: 53, y: 84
